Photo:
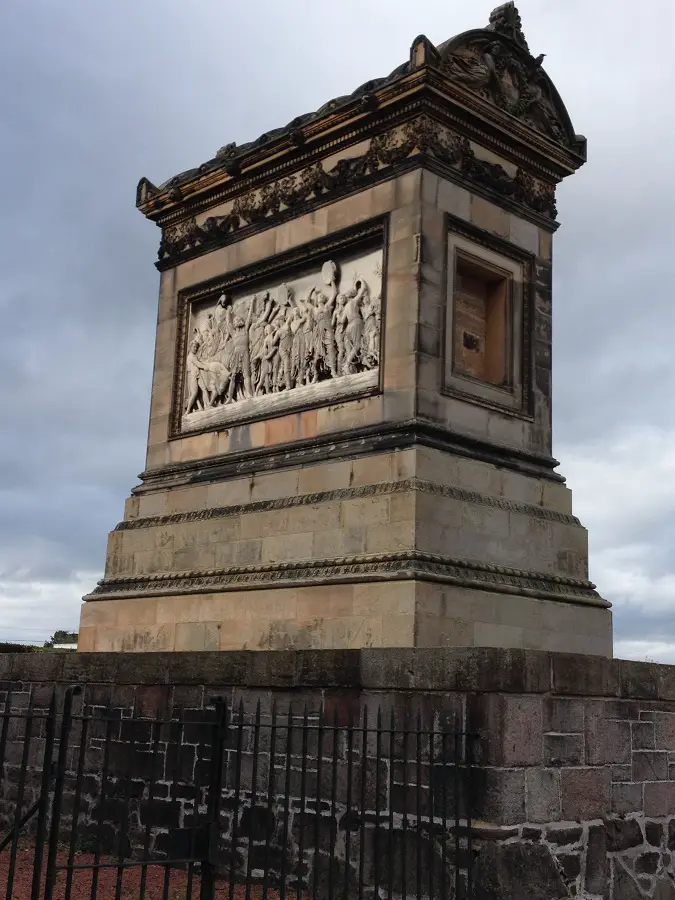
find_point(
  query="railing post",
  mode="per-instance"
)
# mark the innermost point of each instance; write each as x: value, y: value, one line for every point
x: 66, y: 725
x: 207, y: 889
x: 47, y: 766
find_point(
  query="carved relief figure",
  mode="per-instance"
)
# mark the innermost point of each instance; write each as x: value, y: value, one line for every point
x: 353, y: 325
x: 294, y: 337
x: 507, y: 75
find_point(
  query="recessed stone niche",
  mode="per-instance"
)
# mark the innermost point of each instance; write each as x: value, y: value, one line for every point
x: 488, y: 314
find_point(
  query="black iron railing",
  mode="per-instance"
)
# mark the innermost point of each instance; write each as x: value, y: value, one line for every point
x: 273, y: 801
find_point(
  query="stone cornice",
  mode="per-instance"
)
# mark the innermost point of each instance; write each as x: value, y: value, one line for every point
x: 351, y: 493
x: 428, y: 89
x: 380, y: 438
x: 420, y: 141
x: 427, y: 81
x: 380, y: 567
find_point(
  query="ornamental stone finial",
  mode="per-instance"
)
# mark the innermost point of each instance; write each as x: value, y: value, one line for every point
x: 505, y: 20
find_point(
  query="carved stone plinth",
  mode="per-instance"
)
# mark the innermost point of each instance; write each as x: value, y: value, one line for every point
x: 350, y: 429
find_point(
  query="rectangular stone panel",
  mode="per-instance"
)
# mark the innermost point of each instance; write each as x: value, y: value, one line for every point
x: 300, y: 330
x: 488, y: 320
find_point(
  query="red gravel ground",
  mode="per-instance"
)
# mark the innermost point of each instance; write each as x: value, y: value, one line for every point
x: 107, y: 882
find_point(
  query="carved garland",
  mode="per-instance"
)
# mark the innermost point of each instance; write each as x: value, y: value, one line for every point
x: 353, y: 493
x: 410, y: 564
x: 422, y: 135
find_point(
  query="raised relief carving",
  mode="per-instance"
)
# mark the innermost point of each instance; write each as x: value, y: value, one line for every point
x: 296, y: 193
x: 502, y: 71
x: 315, y: 337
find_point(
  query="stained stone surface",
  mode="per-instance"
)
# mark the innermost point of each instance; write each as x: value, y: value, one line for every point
x: 519, y: 872
x: 331, y: 464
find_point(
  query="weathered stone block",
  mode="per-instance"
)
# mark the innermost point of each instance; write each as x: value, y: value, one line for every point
x: 563, y: 749
x: 659, y: 798
x: 596, y: 677
x: 643, y: 736
x: 664, y: 730
x: 626, y: 798
x: 596, y: 880
x: 563, y: 716
x: 517, y: 871
x: 542, y: 795
x: 500, y: 795
x: 650, y: 765
x: 607, y: 740
x: 585, y: 793
x: 563, y: 835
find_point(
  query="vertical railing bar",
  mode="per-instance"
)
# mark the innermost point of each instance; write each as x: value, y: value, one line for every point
x: 21, y: 790
x: 76, y: 805
x: 179, y: 723
x: 333, y: 804
x: 99, y: 829
x: 349, y: 819
x: 66, y: 724
x: 3, y: 732
x: 364, y: 766
x: 44, y: 795
x: 418, y: 845
x: 237, y: 791
x: 430, y: 795
x: 123, y: 833
x: 378, y: 764
x: 444, y: 825
x: 404, y: 827
x: 457, y: 813
x: 193, y: 836
x: 392, y: 729
x: 155, y: 736
x: 254, y: 797
x: 270, y: 799
x: 317, y: 817
x: 287, y: 795
x: 207, y: 883
x: 469, y: 799
x: 303, y: 804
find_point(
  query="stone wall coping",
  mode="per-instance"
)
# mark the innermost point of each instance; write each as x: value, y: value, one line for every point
x: 460, y: 670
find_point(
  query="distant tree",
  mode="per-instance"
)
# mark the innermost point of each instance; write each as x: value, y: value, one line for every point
x: 62, y: 637
x: 8, y: 647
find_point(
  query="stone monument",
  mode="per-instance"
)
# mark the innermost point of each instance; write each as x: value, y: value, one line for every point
x: 350, y: 427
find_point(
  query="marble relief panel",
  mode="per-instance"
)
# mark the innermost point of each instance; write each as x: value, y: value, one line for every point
x: 314, y: 337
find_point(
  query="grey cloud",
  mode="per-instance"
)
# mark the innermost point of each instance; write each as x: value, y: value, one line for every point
x: 92, y: 101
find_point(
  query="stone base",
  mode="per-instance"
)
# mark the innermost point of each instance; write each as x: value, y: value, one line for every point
x: 418, y: 547
x: 403, y: 613
x: 574, y: 785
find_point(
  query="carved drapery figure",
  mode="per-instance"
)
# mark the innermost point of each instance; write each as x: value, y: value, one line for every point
x: 499, y: 67
x: 268, y: 344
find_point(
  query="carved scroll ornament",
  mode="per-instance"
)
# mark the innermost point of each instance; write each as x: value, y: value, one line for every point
x: 504, y: 73
x: 319, y: 327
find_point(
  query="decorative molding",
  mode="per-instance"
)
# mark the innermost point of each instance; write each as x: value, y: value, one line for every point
x: 527, y: 112
x: 405, y: 565
x: 495, y: 64
x: 219, y: 354
x: 381, y: 438
x: 506, y: 21
x: 303, y: 340
x: 351, y: 493
x: 296, y: 193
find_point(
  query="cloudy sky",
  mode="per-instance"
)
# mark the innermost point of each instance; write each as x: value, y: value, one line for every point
x: 96, y: 94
